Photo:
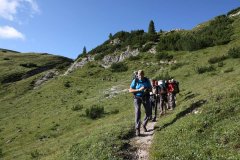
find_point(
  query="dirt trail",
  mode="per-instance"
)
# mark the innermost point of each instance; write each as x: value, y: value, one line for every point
x: 143, y: 142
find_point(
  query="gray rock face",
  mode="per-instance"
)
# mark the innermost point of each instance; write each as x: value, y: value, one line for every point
x: 46, y: 77
x: 109, y: 59
x: 79, y: 64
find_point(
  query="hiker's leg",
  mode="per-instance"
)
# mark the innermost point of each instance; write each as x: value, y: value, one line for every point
x: 137, y: 105
x: 161, y: 105
x: 156, y: 106
x: 170, y: 100
x: 174, y: 100
x: 146, y: 105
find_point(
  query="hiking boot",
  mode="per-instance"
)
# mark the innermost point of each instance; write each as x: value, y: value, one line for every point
x: 154, y: 119
x: 144, y: 128
x: 137, y: 132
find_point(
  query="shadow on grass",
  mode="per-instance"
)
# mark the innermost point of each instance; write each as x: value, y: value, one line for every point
x: 184, y: 113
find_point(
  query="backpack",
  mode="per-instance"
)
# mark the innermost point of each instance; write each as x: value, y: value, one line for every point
x: 176, y: 87
x: 162, y: 89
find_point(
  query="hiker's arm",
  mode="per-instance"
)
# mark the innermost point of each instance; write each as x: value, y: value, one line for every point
x: 131, y: 90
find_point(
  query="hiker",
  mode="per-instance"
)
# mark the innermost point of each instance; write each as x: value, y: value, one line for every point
x: 162, y: 97
x: 140, y: 87
x: 172, y: 90
x: 154, y: 99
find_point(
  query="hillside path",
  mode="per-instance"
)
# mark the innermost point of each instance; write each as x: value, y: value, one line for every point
x: 143, y: 142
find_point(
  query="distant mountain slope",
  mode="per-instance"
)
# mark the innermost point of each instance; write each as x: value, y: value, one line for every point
x: 16, y: 66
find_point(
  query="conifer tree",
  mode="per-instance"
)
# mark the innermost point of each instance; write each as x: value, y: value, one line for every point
x: 110, y: 36
x: 84, y: 51
x: 151, y: 28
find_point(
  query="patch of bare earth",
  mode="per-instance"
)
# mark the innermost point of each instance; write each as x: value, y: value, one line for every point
x: 143, y: 142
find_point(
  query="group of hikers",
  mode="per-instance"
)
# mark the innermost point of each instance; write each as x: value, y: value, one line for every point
x: 152, y: 94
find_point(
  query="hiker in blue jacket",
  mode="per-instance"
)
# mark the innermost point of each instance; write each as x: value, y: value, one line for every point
x: 141, y: 87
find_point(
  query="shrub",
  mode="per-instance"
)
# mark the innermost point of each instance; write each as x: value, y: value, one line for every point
x: 163, y: 56
x: 77, y: 107
x: 94, y: 112
x: 234, y: 52
x: 147, y: 47
x: 115, y: 111
x: 133, y: 58
x: 220, y: 64
x: 6, y: 58
x: 228, y: 70
x: 204, y: 69
x: 28, y: 65
x: 163, y: 76
x: 79, y: 91
x: 35, y: 154
x: 98, y: 56
x: 177, y: 65
x: 119, y: 67
x: 217, y: 59
x: 1, y: 153
x: 67, y: 84
x: 12, y: 77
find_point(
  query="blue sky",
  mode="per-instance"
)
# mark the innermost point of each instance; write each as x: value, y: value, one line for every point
x: 64, y: 27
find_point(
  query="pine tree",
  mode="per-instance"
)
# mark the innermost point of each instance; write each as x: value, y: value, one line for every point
x: 110, y: 36
x: 151, y: 28
x: 84, y: 51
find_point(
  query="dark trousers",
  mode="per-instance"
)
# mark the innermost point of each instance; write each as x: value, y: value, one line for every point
x: 137, y: 104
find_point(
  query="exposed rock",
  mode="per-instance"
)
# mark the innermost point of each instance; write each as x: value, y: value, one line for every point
x: 44, y: 78
x: 116, y: 41
x: 79, y: 64
x: 114, y: 91
x: 236, y: 14
x: 153, y: 50
x: 109, y: 59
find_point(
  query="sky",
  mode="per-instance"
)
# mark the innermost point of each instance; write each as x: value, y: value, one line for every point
x: 64, y: 27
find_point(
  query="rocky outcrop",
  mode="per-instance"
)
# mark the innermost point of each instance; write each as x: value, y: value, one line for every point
x: 79, y: 64
x: 106, y: 61
x: 109, y: 59
x: 49, y: 75
x: 236, y: 14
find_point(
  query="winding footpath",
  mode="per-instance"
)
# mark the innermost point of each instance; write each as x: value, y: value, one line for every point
x: 143, y: 142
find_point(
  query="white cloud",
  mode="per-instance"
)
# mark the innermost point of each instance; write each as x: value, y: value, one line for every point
x: 7, y: 32
x: 10, y: 8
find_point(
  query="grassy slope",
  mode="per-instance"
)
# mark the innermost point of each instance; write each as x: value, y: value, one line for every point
x: 41, y: 123
x: 213, y: 131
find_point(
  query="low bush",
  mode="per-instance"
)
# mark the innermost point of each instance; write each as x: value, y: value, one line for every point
x: 147, y: 47
x: 77, y: 107
x: 217, y: 59
x: 228, y: 70
x: 119, y: 67
x: 133, y: 58
x: 98, y: 56
x: 6, y: 58
x: 220, y: 64
x: 163, y: 76
x: 28, y: 65
x: 163, y: 56
x: 35, y: 154
x: 177, y: 65
x: 67, y: 84
x: 203, y: 69
x: 234, y: 52
x: 1, y: 153
x: 94, y: 111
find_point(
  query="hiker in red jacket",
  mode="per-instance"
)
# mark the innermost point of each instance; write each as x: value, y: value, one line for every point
x: 171, y: 94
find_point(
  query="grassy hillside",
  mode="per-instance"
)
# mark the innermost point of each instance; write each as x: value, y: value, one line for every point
x: 51, y: 122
